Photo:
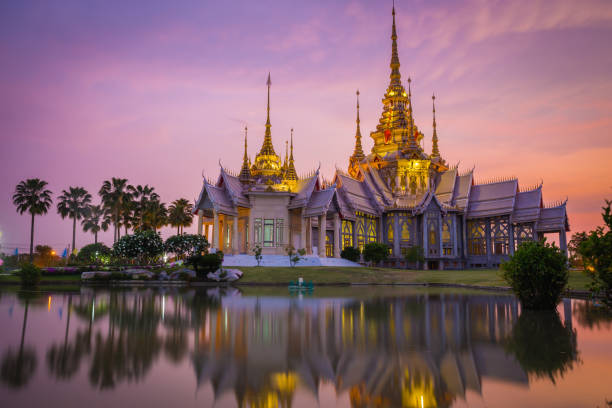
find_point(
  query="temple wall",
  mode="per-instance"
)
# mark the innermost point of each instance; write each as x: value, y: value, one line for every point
x: 269, y: 207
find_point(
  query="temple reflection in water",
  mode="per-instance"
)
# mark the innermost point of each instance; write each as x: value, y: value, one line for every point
x: 420, y: 349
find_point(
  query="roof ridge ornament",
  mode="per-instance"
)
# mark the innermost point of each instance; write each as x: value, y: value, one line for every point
x: 435, y: 152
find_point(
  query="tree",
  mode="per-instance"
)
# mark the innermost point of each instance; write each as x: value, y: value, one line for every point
x: 186, y: 245
x: 32, y: 196
x: 375, y: 252
x: 350, y: 253
x: 294, y: 255
x: 94, y: 221
x: 142, y: 196
x: 596, y: 253
x: 155, y: 215
x: 94, y: 253
x: 145, y: 247
x: 415, y: 255
x: 573, y: 248
x: 537, y: 273
x: 74, y: 204
x: 180, y: 214
x: 115, y: 194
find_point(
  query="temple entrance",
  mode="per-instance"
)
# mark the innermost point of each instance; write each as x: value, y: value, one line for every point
x: 329, y: 244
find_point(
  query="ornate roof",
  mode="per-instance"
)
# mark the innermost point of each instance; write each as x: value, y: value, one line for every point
x: 267, y: 162
x: 553, y: 219
x: 487, y: 200
x: 528, y: 205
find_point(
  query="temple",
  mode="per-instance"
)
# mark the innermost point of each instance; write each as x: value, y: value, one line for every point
x: 397, y: 194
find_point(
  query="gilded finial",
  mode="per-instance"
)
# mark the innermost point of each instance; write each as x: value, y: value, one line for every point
x: 435, y: 152
x: 358, y: 155
x: 395, y: 64
x: 245, y: 171
x: 291, y: 174
x: 267, y: 162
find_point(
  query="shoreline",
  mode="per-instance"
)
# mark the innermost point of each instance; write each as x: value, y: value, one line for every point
x: 574, y: 293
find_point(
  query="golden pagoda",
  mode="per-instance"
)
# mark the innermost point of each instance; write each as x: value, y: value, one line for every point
x: 267, y: 162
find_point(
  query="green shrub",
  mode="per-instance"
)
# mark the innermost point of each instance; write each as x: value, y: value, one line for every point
x: 94, y: 254
x: 203, y: 264
x: 415, y: 255
x: 294, y: 256
x: 350, y: 253
x: 537, y: 273
x: 257, y: 252
x: 596, y: 252
x: 375, y: 252
x: 186, y: 245
x: 144, y: 247
x: 30, y: 274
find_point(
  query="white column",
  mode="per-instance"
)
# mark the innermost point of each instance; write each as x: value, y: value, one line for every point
x: 396, y: 234
x: 322, y: 225
x: 302, y: 230
x: 215, y: 230
x: 425, y: 243
x: 454, y: 234
x: 234, y: 235
x: 199, y: 222
x: 336, y: 235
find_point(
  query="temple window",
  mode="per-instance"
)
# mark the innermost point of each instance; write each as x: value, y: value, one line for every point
x: 477, y: 241
x: 447, y: 243
x: 371, y: 223
x: 499, y: 236
x: 432, y: 227
x: 360, y: 229
x: 347, y: 234
x: 268, y: 240
x: 522, y: 233
x: 279, y: 232
x: 257, y: 231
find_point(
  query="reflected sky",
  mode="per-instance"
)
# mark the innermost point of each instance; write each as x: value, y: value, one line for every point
x: 362, y: 347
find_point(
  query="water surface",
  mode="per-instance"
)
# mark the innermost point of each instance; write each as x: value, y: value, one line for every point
x: 262, y: 347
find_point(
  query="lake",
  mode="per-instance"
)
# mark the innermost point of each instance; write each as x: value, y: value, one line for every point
x: 265, y: 347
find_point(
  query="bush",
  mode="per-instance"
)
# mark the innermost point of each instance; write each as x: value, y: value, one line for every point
x: 145, y: 247
x: 30, y: 274
x: 294, y: 256
x: 350, y: 253
x: 415, y: 255
x: 186, y: 245
x: 257, y: 252
x: 537, y: 273
x: 94, y: 254
x: 203, y: 264
x: 596, y: 253
x: 375, y: 252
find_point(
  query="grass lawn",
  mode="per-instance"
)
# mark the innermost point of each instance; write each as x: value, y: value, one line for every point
x: 481, y: 277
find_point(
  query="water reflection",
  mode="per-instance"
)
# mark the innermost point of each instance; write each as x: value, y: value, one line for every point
x: 415, y: 350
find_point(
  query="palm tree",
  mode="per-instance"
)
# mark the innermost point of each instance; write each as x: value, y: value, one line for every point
x: 155, y: 215
x: 142, y: 195
x: 74, y: 204
x: 31, y: 196
x: 115, y: 194
x: 94, y: 221
x: 180, y: 214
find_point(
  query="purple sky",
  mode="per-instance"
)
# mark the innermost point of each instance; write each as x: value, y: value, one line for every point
x: 158, y: 92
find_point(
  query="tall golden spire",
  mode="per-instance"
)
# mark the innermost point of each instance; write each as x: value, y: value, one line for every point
x: 291, y: 174
x: 245, y: 171
x: 286, y: 162
x: 267, y: 148
x: 435, y: 152
x: 395, y: 63
x: 358, y: 152
x: 267, y: 162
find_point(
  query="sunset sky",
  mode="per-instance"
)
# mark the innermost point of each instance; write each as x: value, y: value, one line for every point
x: 158, y: 92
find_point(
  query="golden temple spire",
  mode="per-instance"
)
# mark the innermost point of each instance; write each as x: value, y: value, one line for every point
x: 267, y: 149
x: 435, y: 152
x: 358, y: 152
x: 267, y: 162
x: 291, y: 174
x: 245, y: 171
x: 395, y: 64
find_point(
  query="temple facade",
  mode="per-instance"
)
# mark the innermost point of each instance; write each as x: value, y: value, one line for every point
x: 397, y: 194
